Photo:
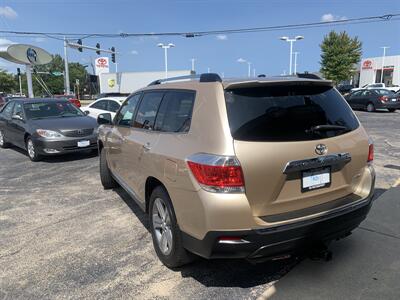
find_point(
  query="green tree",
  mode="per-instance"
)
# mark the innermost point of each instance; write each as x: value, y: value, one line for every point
x: 56, y: 83
x: 340, y: 55
x: 8, y: 83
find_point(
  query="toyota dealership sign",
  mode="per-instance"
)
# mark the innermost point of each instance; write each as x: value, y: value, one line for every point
x: 102, y: 65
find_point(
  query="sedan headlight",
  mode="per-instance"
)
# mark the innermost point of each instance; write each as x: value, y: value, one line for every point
x: 49, y: 134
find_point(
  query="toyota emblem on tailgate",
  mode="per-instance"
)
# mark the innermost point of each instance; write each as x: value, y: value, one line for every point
x: 321, y: 149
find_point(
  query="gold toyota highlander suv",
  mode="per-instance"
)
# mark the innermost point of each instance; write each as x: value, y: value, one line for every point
x: 259, y: 168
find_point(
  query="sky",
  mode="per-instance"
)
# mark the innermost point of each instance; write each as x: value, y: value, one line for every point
x: 267, y: 54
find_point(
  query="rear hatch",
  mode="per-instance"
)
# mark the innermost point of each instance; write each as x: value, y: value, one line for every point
x: 299, y: 144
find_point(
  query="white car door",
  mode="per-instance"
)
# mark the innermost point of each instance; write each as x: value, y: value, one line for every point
x: 96, y: 108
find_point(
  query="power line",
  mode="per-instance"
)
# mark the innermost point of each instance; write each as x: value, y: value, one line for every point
x: 60, y: 35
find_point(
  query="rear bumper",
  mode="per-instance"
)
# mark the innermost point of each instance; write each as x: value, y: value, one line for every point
x: 281, y: 240
x: 387, y: 105
x: 63, y: 146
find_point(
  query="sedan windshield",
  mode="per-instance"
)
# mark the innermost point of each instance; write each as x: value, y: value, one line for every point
x: 53, y: 109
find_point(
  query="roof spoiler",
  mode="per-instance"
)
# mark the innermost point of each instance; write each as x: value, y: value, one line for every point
x: 206, y: 77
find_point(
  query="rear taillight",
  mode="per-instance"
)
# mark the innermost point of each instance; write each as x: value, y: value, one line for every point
x: 383, y: 99
x: 218, y: 174
x: 370, y: 153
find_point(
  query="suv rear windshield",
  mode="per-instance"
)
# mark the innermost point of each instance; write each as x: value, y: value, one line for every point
x: 287, y: 113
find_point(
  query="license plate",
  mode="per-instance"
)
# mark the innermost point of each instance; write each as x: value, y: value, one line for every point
x: 83, y: 143
x: 394, y: 100
x: 315, y: 179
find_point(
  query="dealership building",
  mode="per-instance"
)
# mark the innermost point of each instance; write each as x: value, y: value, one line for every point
x: 371, y: 70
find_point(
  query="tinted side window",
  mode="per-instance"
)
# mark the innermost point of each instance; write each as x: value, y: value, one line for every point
x: 124, y: 116
x: 287, y: 113
x: 147, y: 111
x: 7, y: 111
x: 175, y: 112
x: 113, y: 106
x: 18, y: 110
x: 102, y: 104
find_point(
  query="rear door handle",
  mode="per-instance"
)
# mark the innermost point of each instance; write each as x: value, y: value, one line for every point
x: 146, y: 147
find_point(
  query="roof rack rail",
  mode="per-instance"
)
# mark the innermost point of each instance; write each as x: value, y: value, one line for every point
x: 308, y: 75
x: 206, y: 77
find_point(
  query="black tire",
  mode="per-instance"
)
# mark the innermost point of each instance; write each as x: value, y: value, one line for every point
x: 32, y: 152
x: 106, y: 178
x: 391, y: 109
x: 370, y: 107
x: 3, y: 142
x: 178, y: 255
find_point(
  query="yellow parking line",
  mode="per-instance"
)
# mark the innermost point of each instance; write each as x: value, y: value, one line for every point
x: 397, y: 183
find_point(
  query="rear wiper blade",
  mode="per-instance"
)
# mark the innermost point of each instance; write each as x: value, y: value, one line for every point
x: 327, y: 128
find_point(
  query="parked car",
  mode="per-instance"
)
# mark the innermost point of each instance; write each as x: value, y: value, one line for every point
x: 2, y: 101
x: 372, y: 99
x: 70, y: 98
x: 103, y: 105
x: 255, y: 169
x: 344, y: 89
x: 393, y: 88
x: 46, y: 127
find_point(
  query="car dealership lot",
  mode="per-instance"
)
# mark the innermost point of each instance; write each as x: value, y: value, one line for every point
x: 62, y: 235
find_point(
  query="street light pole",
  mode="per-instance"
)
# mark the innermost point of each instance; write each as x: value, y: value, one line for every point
x: 249, y: 69
x: 295, y: 62
x: 291, y: 41
x: 166, y: 47
x: 193, y: 60
x: 383, y: 61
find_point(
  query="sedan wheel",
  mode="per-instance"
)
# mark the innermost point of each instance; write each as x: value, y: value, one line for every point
x: 3, y: 143
x: 30, y: 147
x: 370, y: 107
x: 162, y: 226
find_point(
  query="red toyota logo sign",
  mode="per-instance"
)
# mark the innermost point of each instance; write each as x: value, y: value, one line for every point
x: 367, y: 64
x: 102, y: 62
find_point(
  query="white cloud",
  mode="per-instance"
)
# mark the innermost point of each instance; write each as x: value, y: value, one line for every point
x: 241, y: 60
x: 134, y: 52
x: 39, y: 39
x: 330, y: 18
x: 222, y: 37
x: 8, y: 12
x: 5, y: 42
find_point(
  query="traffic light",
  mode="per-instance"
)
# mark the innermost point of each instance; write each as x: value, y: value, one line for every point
x: 98, y: 47
x: 80, y: 49
x: 113, y: 54
x: 18, y: 72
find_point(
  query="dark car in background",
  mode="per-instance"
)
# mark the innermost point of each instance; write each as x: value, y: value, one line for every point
x: 2, y: 101
x: 373, y: 99
x: 46, y: 127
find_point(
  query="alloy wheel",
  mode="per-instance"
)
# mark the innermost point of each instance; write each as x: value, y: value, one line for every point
x: 162, y: 226
x: 31, y: 149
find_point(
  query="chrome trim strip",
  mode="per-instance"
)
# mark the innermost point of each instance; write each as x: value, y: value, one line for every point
x: 233, y: 242
x: 317, y: 162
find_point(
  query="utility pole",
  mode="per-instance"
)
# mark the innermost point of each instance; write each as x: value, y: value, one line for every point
x: 20, y: 81
x: 249, y: 69
x: 383, y: 61
x: 66, y: 70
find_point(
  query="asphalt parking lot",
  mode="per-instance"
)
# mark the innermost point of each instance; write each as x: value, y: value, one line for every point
x: 63, y: 236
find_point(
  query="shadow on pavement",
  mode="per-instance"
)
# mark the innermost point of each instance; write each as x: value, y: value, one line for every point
x: 60, y: 158
x: 232, y: 272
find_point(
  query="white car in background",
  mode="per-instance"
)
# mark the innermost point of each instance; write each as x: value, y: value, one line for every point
x: 103, y: 105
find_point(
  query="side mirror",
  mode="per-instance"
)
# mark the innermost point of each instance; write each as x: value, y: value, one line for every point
x: 86, y: 112
x: 17, y: 117
x: 104, y: 119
